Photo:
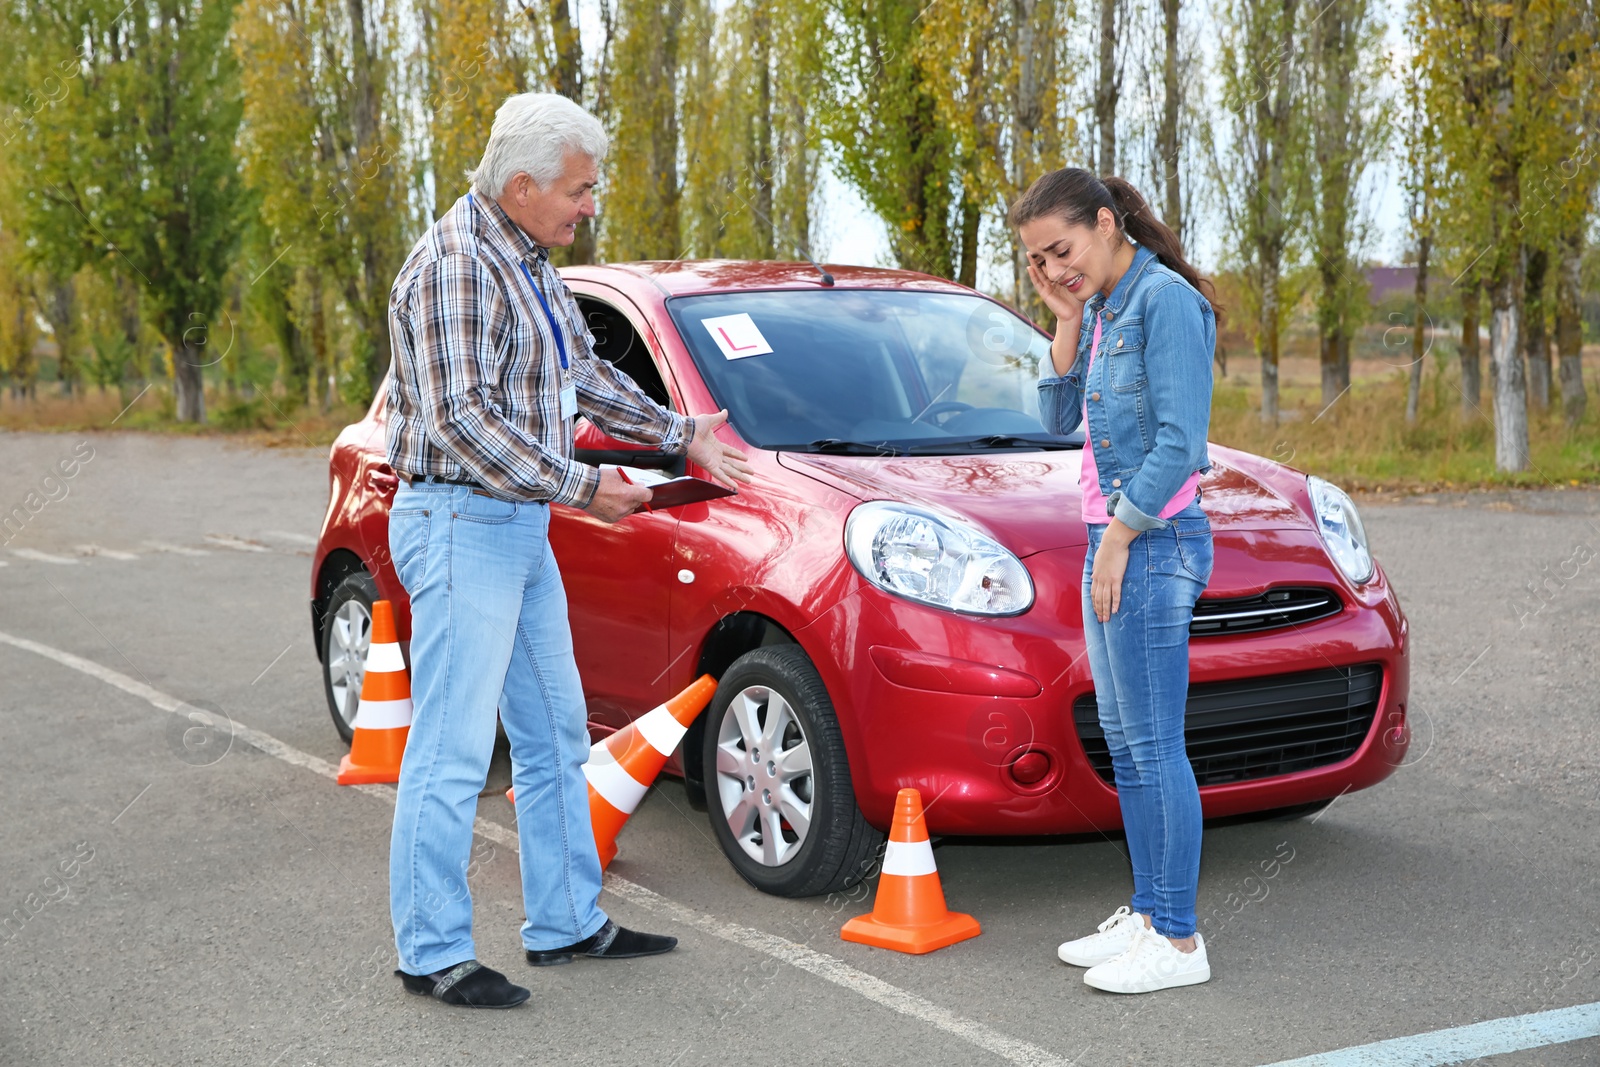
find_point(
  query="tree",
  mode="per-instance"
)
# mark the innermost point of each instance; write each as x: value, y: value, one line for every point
x: 999, y: 85
x: 1261, y: 175
x: 883, y: 123
x: 1108, y: 83
x: 1557, y: 189
x: 751, y: 130
x: 1422, y: 176
x: 473, y: 63
x: 18, y: 332
x: 1478, y: 79
x: 1344, y: 69
x: 1167, y: 148
x: 134, y: 171
x: 323, y: 147
x: 642, y: 209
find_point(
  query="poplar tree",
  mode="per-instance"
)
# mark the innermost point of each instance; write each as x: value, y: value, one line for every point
x: 1260, y: 176
x: 1477, y: 77
x: 1348, y: 129
x: 133, y: 170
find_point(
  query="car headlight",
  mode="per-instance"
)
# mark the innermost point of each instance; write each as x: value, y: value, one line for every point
x: 930, y: 558
x: 1341, y: 529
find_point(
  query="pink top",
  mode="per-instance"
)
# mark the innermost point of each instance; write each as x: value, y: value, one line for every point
x: 1094, y: 501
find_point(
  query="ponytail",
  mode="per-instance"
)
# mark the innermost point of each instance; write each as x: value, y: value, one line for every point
x: 1077, y: 196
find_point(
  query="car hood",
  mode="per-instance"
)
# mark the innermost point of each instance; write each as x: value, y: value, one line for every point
x: 1030, y: 501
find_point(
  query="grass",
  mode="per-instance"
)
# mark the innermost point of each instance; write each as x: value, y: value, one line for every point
x: 1362, y: 442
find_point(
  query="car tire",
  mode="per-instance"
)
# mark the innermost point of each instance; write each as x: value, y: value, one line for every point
x: 775, y: 695
x: 346, y: 636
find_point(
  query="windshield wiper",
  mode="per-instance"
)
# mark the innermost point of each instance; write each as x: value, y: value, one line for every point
x: 998, y: 440
x: 840, y: 447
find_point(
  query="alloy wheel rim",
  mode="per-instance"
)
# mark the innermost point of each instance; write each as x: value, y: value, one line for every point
x: 764, y: 775
x: 350, y: 635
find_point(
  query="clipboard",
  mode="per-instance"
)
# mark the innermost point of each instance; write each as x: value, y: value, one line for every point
x: 673, y: 492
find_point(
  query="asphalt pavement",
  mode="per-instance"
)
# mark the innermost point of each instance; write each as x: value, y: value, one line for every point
x: 189, y: 886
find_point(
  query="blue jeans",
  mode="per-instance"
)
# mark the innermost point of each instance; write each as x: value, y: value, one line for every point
x: 488, y: 631
x: 1139, y: 659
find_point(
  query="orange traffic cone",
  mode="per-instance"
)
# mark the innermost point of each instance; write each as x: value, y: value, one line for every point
x: 622, y: 766
x: 909, y: 914
x: 383, y: 718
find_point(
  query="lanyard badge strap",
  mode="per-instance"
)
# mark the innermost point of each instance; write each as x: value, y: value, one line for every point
x: 561, y: 345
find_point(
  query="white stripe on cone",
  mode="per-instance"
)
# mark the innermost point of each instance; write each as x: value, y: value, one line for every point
x: 383, y: 714
x: 909, y: 858
x: 385, y: 659
x: 660, y: 729
x: 612, y: 781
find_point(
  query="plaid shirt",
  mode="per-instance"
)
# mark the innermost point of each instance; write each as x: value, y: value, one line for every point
x: 476, y: 388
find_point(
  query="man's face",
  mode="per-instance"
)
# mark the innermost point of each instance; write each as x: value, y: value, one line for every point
x: 551, y: 216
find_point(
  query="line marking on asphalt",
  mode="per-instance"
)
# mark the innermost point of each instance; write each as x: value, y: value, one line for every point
x: 1459, y: 1044
x: 819, y: 964
x: 238, y: 544
x: 285, y: 535
x: 108, y: 553
x: 178, y: 550
x: 41, y: 557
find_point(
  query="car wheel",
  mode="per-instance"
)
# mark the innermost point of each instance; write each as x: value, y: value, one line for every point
x: 346, y: 635
x: 777, y: 780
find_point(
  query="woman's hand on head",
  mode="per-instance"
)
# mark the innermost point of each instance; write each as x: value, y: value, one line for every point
x: 1066, y: 307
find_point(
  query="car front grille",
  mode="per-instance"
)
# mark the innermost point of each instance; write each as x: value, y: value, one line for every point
x: 1251, y: 728
x: 1283, y: 606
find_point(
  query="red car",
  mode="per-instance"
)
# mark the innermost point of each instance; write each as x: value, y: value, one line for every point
x: 895, y: 600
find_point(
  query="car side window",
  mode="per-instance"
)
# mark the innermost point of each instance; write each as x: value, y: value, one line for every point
x: 618, y: 343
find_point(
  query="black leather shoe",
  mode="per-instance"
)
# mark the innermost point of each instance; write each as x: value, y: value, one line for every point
x: 467, y: 985
x: 610, y: 942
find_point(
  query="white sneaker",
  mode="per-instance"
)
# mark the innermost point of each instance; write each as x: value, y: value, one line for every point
x: 1115, y: 935
x: 1149, y: 964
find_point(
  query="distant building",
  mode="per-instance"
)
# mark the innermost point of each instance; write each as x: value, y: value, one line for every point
x: 1384, y: 282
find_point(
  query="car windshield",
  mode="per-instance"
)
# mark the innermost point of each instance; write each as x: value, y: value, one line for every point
x: 870, y: 371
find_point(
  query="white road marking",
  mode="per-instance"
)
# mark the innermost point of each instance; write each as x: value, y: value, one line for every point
x: 177, y: 550
x: 41, y: 557
x: 285, y: 535
x: 819, y: 964
x: 1459, y: 1044
x: 238, y: 544
x: 108, y: 553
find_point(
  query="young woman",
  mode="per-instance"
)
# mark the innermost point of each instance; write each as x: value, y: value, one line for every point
x: 1131, y: 362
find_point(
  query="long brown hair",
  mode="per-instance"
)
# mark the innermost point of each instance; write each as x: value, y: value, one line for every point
x: 1075, y: 195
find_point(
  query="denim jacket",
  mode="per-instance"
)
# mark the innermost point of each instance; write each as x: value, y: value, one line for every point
x: 1149, y: 389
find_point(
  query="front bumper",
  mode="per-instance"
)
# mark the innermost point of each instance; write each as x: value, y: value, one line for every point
x: 950, y: 703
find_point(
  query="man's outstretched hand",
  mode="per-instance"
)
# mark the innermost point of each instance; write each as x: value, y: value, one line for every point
x: 724, y: 463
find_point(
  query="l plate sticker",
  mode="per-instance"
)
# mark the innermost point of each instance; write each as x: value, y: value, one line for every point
x: 737, y: 336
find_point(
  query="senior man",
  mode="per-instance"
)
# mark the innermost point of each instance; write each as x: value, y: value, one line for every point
x: 491, y: 364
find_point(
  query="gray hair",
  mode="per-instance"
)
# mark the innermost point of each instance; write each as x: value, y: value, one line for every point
x: 532, y: 133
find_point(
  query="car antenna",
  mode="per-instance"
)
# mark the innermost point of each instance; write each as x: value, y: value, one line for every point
x: 827, y: 279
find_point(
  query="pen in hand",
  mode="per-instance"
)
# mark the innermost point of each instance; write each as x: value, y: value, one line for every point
x: 624, y: 476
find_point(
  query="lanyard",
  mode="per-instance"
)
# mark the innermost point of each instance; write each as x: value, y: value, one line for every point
x: 561, y: 345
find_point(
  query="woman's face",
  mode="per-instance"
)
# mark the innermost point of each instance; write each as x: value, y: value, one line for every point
x: 1078, y: 258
